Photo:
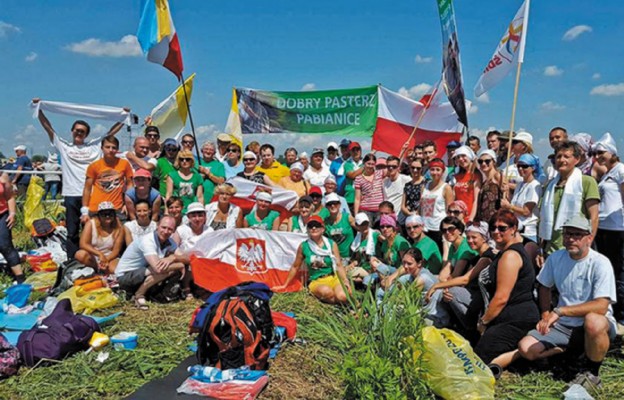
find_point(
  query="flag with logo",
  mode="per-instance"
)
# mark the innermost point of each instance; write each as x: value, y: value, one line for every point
x: 228, y: 257
x: 508, y: 54
x: 246, y: 191
x: 158, y: 38
x: 171, y: 114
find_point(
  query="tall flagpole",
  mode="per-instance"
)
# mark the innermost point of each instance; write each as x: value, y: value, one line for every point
x: 188, y: 107
x: 513, y: 118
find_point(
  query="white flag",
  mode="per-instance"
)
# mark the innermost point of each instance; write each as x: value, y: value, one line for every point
x: 509, y: 53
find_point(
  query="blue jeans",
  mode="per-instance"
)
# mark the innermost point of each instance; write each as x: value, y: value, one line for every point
x: 382, y: 269
x: 6, y: 243
x: 52, y: 188
x: 72, y: 222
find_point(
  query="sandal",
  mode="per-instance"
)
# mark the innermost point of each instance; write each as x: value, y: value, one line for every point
x: 141, y: 303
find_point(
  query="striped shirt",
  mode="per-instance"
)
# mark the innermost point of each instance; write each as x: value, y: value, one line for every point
x: 371, y: 191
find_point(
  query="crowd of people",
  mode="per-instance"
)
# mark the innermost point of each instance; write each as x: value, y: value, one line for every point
x: 523, y: 257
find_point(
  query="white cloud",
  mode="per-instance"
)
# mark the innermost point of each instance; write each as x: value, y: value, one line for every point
x: 575, y: 32
x: 422, y: 60
x: 127, y: 46
x: 32, y: 56
x: 207, y: 133
x: 484, y: 98
x: 308, y: 87
x: 596, y: 76
x: 6, y: 29
x: 552, y: 70
x: 551, y: 106
x: 416, y: 91
x: 473, y: 109
x: 616, y: 89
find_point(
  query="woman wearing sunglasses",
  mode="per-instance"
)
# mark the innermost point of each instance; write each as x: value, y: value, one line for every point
x: 249, y: 172
x: 232, y: 162
x: 101, y: 240
x: 412, y: 191
x: 490, y: 194
x: 460, y: 255
x: 165, y: 165
x: 261, y: 216
x: 327, y: 279
x: 507, y: 289
x: 185, y: 183
x: 339, y: 226
x: 526, y: 196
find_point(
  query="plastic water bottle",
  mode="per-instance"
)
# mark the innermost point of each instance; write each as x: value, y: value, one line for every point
x: 204, y: 374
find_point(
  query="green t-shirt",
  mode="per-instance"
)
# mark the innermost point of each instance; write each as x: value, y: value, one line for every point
x: 391, y: 256
x: 349, y: 166
x: 431, y: 254
x: 360, y: 255
x: 341, y: 233
x: 590, y: 192
x: 323, y: 213
x: 463, y: 252
x: 163, y: 169
x: 186, y: 189
x: 266, y: 223
x: 216, y: 169
x: 309, y: 258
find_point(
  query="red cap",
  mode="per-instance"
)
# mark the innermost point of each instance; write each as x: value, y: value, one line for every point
x: 316, y: 218
x: 315, y: 190
x: 354, y: 144
x: 142, y: 173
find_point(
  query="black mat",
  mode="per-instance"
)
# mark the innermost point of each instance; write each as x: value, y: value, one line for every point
x: 165, y: 387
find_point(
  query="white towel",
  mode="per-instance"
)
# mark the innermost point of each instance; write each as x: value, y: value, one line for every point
x: 326, y: 252
x: 569, y: 206
x: 370, y: 244
x: 90, y: 111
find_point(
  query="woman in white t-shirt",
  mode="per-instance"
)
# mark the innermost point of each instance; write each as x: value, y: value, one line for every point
x: 526, y: 196
x: 436, y: 197
x: 610, y: 235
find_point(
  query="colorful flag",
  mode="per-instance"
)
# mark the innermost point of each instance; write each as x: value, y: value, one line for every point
x: 398, y: 116
x: 233, y: 126
x: 171, y: 114
x: 509, y: 53
x: 228, y: 257
x: 245, y: 197
x: 158, y: 38
x: 451, y: 65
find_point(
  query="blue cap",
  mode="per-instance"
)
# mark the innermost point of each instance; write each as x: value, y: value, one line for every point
x: 345, y: 143
x: 170, y: 142
x: 453, y: 144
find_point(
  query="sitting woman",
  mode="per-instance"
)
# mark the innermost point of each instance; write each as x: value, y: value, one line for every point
x: 295, y: 181
x: 101, y: 240
x: 462, y: 293
x: 250, y: 160
x: 363, y: 248
x: 297, y: 223
x: 413, y: 265
x: 223, y: 214
x: 261, y: 216
x: 414, y: 225
x: 507, y: 287
x: 339, y: 226
x: 327, y: 277
x: 142, y: 191
x: 174, y: 209
x: 460, y: 255
x: 393, y: 247
x: 141, y: 225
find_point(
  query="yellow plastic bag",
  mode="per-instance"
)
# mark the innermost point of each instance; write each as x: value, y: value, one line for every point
x: 33, y: 207
x: 89, y: 301
x: 453, y: 370
x: 41, y: 281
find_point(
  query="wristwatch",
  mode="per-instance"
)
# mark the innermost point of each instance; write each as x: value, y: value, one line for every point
x: 557, y: 310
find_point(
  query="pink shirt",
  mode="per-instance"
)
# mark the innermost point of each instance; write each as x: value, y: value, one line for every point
x: 371, y: 191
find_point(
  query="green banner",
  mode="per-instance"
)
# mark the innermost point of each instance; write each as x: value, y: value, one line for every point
x: 349, y: 112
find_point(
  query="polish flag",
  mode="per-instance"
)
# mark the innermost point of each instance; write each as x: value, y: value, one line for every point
x: 225, y: 258
x: 246, y: 191
x: 398, y: 115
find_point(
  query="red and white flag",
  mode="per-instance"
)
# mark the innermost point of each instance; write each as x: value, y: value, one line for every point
x: 508, y: 54
x: 398, y: 116
x: 246, y: 191
x: 228, y: 257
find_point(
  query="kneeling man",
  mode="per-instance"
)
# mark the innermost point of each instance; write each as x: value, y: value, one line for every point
x: 583, y: 316
x: 148, y: 261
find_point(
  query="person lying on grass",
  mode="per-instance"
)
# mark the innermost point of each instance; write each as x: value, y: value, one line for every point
x: 327, y: 278
x: 415, y: 273
x: 150, y: 260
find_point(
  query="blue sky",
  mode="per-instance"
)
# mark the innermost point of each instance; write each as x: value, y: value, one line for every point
x: 572, y: 75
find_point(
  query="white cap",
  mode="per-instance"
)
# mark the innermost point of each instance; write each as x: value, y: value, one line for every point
x: 332, y: 145
x: 264, y: 196
x: 360, y: 218
x: 297, y: 165
x: 195, y: 207
x: 332, y: 198
x: 250, y: 154
x: 20, y: 147
x: 524, y: 137
x: 464, y: 151
x: 414, y: 219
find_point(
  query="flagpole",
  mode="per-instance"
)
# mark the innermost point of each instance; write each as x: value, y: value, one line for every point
x: 188, y: 107
x: 420, y: 118
x: 513, y: 120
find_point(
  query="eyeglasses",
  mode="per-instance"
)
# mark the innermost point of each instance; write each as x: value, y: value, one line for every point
x: 186, y: 159
x: 450, y: 229
x: 416, y: 168
x: 356, y: 149
x: 188, y: 142
x: 454, y: 212
x: 249, y: 159
x: 315, y: 225
x: 523, y: 166
x: 393, y: 166
x: 233, y: 150
x: 412, y: 227
x: 386, y: 226
x: 171, y: 149
x: 574, y: 235
x: 152, y: 136
x: 107, y: 214
x: 333, y: 203
x: 599, y: 152
x: 486, y: 161
x: 80, y: 131
x: 500, y: 228
x: 316, y: 196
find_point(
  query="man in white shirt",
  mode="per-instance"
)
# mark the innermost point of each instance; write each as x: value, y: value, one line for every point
x: 317, y: 172
x: 583, y: 316
x: 393, y: 184
x: 148, y: 261
x: 75, y: 158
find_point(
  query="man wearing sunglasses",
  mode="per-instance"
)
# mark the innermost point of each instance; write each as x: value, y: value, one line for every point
x: 152, y: 133
x: 393, y: 185
x: 75, y: 158
x: 583, y: 317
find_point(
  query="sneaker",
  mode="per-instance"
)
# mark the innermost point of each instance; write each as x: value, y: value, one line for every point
x: 588, y: 380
